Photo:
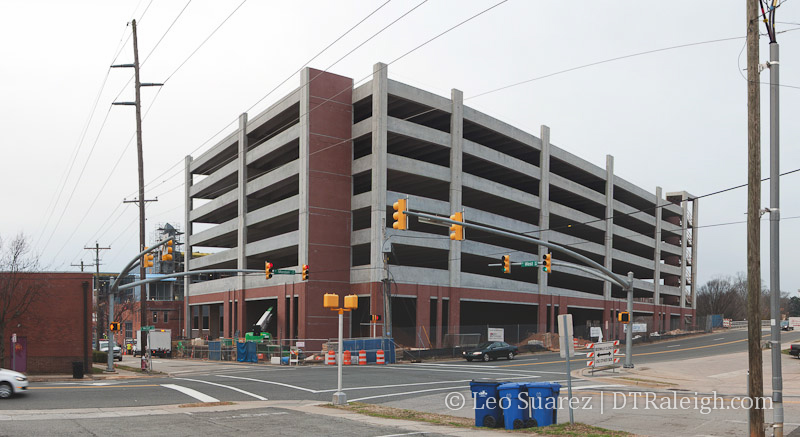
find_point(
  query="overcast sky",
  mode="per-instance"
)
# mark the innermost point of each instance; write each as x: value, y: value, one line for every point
x: 671, y: 118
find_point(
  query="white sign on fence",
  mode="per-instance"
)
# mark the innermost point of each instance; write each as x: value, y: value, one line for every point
x: 301, y: 344
x: 596, y: 331
x: 602, y: 354
x: 565, y: 336
x: 496, y: 334
x: 637, y: 327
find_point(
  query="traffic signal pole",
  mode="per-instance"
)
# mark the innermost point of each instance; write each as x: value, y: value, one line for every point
x: 606, y: 274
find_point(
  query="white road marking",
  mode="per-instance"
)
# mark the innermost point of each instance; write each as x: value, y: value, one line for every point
x: 190, y: 392
x: 467, y: 366
x: 260, y: 398
x: 422, y: 369
x: 583, y: 387
x: 460, y: 387
x: 270, y: 382
x: 398, y: 435
x: 721, y: 338
x: 674, y: 345
x: 395, y: 385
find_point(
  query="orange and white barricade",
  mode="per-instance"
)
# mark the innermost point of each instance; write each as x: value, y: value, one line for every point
x: 362, y: 358
x: 346, y: 358
x: 380, y: 357
x: 330, y: 359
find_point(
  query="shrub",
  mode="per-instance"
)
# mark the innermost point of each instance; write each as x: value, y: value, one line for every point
x: 99, y: 357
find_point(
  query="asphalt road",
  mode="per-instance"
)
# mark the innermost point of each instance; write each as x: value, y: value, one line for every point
x: 193, y: 381
x: 421, y: 386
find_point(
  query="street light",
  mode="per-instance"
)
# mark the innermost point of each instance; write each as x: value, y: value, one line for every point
x: 331, y: 301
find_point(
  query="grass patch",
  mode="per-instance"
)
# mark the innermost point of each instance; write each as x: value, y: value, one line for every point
x: 204, y: 404
x: 581, y: 429
x: 96, y: 370
x: 578, y: 429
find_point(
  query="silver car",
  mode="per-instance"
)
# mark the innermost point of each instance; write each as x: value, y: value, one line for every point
x: 117, y: 349
x: 11, y: 383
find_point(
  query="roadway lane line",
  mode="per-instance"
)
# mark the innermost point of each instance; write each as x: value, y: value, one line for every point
x: 418, y: 369
x: 395, y: 385
x: 190, y: 392
x: 459, y: 387
x: 721, y: 338
x: 270, y: 382
x: 674, y: 345
x: 91, y: 386
x: 260, y: 398
x: 478, y: 366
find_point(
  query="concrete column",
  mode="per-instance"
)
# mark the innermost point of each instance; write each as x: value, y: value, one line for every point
x: 380, y: 115
x: 541, y: 317
x: 456, y: 193
x: 213, y: 321
x: 304, y: 160
x: 439, y: 321
x: 552, y: 313
x: 657, y: 260
x: 544, y: 215
x: 609, y: 247
x: 241, y: 313
x: 241, y: 240
x: 226, y: 315
x: 187, y: 225
x: 684, y: 236
x: 423, y: 316
x: 694, y: 256
x: 281, y: 314
x: 455, y: 312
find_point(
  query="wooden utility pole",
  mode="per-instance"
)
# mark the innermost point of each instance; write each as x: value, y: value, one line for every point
x: 96, y: 295
x: 140, y: 157
x: 755, y: 383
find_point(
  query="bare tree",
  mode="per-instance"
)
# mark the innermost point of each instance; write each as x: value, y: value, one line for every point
x: 19, y: 285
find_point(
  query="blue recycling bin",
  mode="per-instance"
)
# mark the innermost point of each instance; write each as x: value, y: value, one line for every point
x: 514, y: 402
x: 543, y: 401
x: 487, y: 406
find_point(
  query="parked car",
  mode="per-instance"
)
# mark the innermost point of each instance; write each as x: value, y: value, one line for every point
x: 795, y: 350
x: 11, y: 383
x: 117, y: 349
x: 785, y: 326
x: 491, y: 350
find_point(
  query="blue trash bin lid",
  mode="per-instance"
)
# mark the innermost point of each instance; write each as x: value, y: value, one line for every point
x: 511, y: 386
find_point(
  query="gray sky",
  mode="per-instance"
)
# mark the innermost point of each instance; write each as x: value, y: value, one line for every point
x: 685, y: 105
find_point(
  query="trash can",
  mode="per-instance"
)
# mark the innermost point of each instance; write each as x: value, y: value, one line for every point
x: 543, y: 400
x: 486, y: 405
x: 514, y: 402
x: 77, y: 370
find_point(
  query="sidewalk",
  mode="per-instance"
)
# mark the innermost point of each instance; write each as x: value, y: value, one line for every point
x: 724, y: 374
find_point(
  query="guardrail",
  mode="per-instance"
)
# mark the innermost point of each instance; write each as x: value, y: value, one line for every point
x: 742, y: 324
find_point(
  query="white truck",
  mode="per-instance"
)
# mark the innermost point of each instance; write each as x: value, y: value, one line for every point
x: 159, y: 341
x: 794, y: 323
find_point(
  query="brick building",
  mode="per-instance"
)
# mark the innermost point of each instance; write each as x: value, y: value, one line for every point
x: 56, y: 329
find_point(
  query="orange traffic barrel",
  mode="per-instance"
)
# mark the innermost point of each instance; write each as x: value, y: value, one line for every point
x: 331, y: 358
x: 346, y: 360
x: 380, y: 358
x: 362, y: 357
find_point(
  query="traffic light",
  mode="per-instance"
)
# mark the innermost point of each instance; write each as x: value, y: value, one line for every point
x: 148, y: 260
x: 168, y: 255
x: 457, y: 231
x: 375, y: 318
x: 506, y: 263
x: 400, y: 217
x: 546, y: 262
x: 624, y: 317
x: 305, y: 272
x: 268, y: 269
x: 115, y: 326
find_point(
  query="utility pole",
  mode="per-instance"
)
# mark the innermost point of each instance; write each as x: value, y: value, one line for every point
x: 140, y: 157
x: 774, y: 220
x: 96, y: 294
x: 756, y: 386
